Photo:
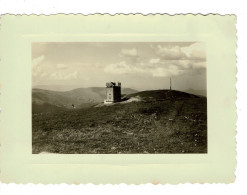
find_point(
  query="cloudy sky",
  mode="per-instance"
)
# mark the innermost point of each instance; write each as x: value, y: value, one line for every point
x: 140, y: 65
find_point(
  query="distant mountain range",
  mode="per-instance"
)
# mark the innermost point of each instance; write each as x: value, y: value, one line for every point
x: 66, y: 88
x: 58, y: 87
x: 48, y: 100
x: 81, y: 97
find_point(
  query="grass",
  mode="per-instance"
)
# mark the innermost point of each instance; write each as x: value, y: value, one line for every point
x: 178, y: 126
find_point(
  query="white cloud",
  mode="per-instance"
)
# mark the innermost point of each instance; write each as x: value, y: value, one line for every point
x: 123, y: 68
x: 166, y: 68
x: 59, y: 75
x: 171, y: 52
x: 61, y: 66
x: 195, y: 51
x: 36, y: 66
x: 174, y: 60
x: 154, y: 61
x: 37, y: 61
x: 166, y: 72
x: 44, y: 71
x: 129, y: 52
x: 199, y: 64
x: 187, y: 64
x: 170, y: 60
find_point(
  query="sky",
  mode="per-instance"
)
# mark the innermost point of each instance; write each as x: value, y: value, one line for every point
x: 137, y: 65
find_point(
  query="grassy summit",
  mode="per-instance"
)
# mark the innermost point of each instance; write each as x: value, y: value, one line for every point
x: 162, y: 121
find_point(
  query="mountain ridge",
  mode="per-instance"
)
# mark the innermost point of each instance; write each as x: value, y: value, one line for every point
x: 196, y: 92
x: 80, y: 97
x: 160, y: 121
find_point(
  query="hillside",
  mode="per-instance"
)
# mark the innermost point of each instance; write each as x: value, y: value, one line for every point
x: 159, y: 95
x: 40, y: 108
x: 57, y: 87
x: 196, y: 92
x: 81, y: 97
x: 162, y: 121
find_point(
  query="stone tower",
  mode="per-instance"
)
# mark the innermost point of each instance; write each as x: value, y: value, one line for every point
x: 113, y: 92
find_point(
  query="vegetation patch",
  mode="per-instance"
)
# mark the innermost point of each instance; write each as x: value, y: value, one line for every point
x: 156, y: 125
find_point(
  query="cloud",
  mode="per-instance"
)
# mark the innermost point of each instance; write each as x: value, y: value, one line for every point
x: 154, y: 61
x: 36, y: 66
x: 166, y: 72
x: 129, y: 52
x: 171, y: 52
x: 157, y: 68
x: 61, y: 66
x: 130, y: 55
x: 45, y: 71
x: 59, y: 75
x: 170, y: 60
x: 195, y: 51
x: 186, y: 64
x: 38, y: 60
x: 123, y: 68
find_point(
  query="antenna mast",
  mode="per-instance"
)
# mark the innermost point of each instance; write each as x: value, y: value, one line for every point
x: 170, y: 84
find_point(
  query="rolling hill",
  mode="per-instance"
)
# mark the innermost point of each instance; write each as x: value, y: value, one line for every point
x: 157, y: 95
x: 81, y: 97
x: 161, y: 121
x: 196, y: 92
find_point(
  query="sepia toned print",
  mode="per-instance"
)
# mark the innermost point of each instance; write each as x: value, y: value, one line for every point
x: 106, y: 99
x: 119, y: 97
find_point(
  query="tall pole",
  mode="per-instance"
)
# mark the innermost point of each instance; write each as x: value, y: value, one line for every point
x: 170, y: 84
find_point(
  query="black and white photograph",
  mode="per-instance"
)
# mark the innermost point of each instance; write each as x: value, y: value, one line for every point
x: 119, y: 98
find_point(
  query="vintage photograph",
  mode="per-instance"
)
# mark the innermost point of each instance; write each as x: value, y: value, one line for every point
x: 119, y: 98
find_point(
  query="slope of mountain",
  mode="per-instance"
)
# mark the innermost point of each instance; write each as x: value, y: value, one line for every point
x: 81, y: 97
x: 56, y: 87
x: 161, y: 95
x: 196, y: 92
x: 163, y: 121
x: 39, y: 108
